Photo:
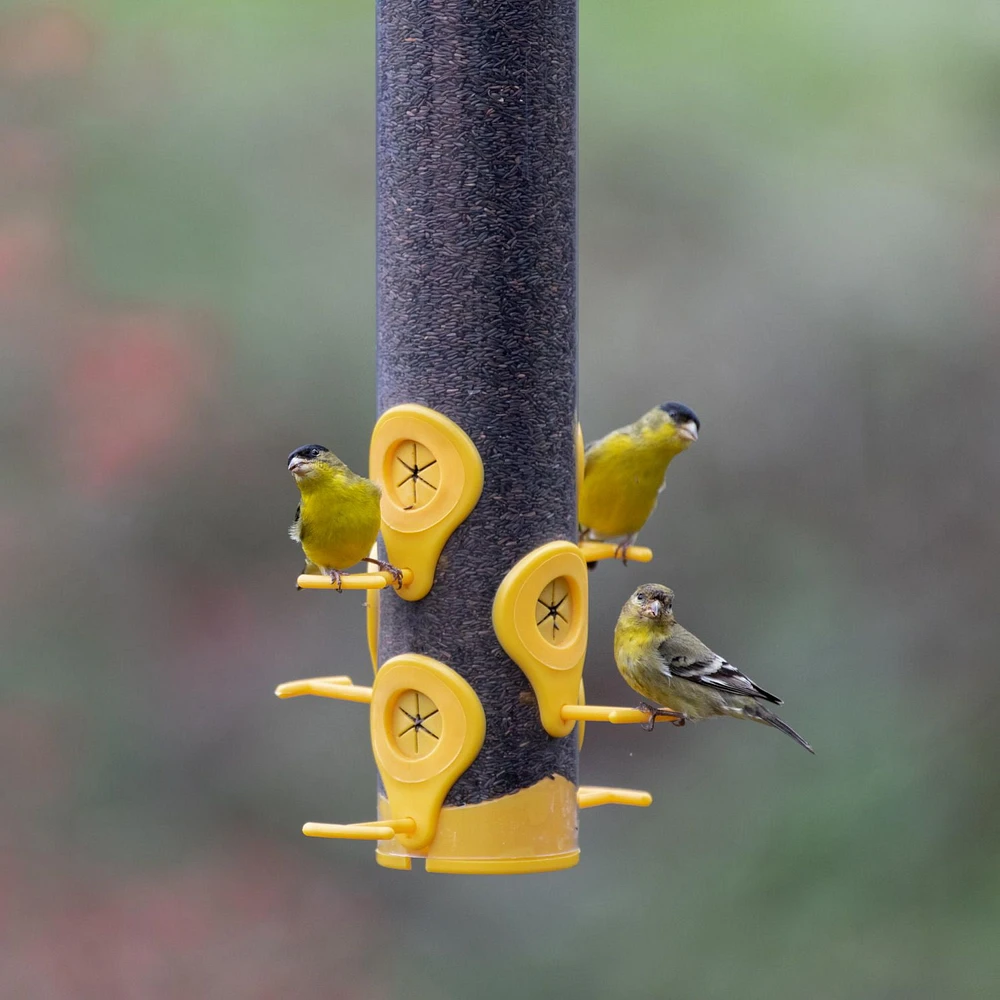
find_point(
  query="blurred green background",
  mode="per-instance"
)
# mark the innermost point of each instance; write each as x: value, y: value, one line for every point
x: 789, y: 220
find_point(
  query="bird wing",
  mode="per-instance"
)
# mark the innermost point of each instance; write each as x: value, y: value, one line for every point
x: 295, y: 529
x: 591, y: 450
x: 687, y: 657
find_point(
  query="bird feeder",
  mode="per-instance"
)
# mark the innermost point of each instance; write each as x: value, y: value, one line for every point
x: 476, y: 709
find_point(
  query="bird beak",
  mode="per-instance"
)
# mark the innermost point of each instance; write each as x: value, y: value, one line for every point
x: 299, y: 466
x: 652, y: 610
x: 688, y: 430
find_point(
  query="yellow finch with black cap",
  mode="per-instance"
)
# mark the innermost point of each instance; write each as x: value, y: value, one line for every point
x: 624, y: 472
x: 339, y: 514
x: 665, y: 663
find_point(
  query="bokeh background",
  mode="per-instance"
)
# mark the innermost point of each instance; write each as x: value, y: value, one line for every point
x: 789, y: 219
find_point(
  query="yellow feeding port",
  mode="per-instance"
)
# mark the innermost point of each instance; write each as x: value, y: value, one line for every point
x: 555, y: 611
x: 427, y: 726
x: 431, y: 477
x: 419, y: 476
x: 540, y: 619
x: 416, y: 728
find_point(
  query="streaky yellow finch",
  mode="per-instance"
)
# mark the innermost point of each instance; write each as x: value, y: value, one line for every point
x: 665, y: 663
x: 338, y: 517
x: 624, y: 472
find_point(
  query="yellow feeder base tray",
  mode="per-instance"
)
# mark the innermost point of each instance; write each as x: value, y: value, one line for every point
x: 516, y: 834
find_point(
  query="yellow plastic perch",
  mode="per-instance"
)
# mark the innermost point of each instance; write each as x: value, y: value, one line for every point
x: 342, y: 688
x: 594, y: 551
x: 384, y: 829
x: 587, y: 796
x: 352, y: 581
x: 604, y: 713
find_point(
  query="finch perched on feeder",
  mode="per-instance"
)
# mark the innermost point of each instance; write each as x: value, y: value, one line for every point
x: 665, y: 663
x: 338, y: 517
x: 624, y: 471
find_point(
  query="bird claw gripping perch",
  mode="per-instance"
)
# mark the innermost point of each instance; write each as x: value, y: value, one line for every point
x: 653, y: 713
x: 355, y: 581
x: 622, y: 549
x: 393, y: 571
x: 627, y: 552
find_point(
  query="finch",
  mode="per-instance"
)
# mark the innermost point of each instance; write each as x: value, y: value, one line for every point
x: 339, y: 514
x: 665, y: 663
x: 624, y: 472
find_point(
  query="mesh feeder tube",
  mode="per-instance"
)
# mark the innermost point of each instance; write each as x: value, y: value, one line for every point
x: 476, y: 284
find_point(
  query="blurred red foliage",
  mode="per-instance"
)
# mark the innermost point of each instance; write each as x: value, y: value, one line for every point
x: 129, y: 396
x: 41, y: 742
x: 45, y: 45
x: 30, y: 158
x: 247, y: 923
x: 31, y: 248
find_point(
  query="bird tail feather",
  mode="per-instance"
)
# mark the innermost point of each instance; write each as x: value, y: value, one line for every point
x: 760, y: 714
